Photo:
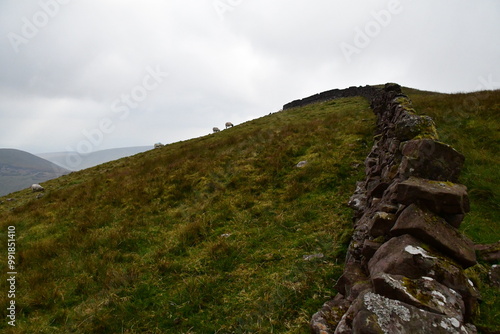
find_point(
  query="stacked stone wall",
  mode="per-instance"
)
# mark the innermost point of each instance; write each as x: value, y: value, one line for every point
x: 404, y: 270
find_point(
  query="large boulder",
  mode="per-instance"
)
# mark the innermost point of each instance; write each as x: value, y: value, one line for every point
x: 437, y: 232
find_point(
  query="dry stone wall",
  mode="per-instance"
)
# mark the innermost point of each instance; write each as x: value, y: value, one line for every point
x: 404, y: 270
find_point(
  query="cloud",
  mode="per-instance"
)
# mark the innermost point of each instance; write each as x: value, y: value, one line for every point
x: 226, y: 60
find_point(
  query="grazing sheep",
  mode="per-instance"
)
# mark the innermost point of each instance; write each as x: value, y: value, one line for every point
x: 229, y: 125
x: 36, y: 187
x: 216, y: 129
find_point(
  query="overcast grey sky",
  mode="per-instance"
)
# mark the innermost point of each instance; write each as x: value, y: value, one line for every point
x: 87, y: 75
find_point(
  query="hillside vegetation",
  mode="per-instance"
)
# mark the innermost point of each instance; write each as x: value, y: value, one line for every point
x: 223, y: 233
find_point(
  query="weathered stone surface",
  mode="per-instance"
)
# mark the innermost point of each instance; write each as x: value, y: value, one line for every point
x: 430, y: 159
x: 353, y: 273
x: 439, y: 197
x: 437, y: 233
x: 369, y: 248
x: 424, y: 293
x: 406, y: 256
x: 411, y: 125
x: 489, y: 253
x: 381, y: 223
x: 326, y: 320
x: 378, y: 314
x: 378, y: 190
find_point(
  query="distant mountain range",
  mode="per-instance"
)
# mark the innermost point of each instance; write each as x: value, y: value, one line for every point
x: 19, y: 170
x: 74, y: 161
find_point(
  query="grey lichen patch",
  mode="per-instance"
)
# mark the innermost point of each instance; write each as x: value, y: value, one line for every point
x: 415, y: 250
x: 385, y: 309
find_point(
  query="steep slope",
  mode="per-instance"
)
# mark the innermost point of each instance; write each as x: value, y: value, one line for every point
x: 221, y: 233
x: 82, y: 161
x: 19, y: 170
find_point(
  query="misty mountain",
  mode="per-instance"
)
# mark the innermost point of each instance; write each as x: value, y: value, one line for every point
x: 74, y: 161
x: 19, y: 170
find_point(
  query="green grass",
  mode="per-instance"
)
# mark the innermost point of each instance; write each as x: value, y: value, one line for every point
x: 202, y: 236
x: 208, y: 235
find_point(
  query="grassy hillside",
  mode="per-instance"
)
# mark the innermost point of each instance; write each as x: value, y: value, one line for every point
x: 19, y: 169
x: 221, y: 234
x: 203, y: 236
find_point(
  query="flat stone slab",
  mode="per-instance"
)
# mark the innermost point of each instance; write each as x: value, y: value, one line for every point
x: 436, y: 232
x: 438, y: 196
x: 430, y: 159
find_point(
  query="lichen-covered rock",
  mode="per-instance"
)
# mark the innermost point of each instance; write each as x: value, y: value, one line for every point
x: 411, y: 125
x: 430, y: 159
x: 379, y: 314
x: 327, y: 319
x: 425, y: 293
x: 406, y: 256
x: 439, y: 197
x: 437, y: 232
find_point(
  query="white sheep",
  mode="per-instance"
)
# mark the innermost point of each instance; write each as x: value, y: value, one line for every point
x: 37, y: 187
x: 216, y: 129
x: 229, y: 125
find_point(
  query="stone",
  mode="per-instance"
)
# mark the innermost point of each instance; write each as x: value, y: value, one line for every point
x: 494, y: 275
x: 311, y: 257
x: 406, y: 256
x: 369, y: 248
x: 439, y: 197
x: 437, y: 233
x: 378, y: 190
x: 327, y: 319
x: 352, y: 274
x: 488, y: 252
x: 301, y: 164
x: 381, y: 223
x: 424, y: 293
x: 411, y: 125
x: 378, y: 314
x: 430, y: 159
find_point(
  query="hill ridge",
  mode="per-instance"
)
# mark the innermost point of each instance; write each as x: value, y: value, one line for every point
x: 20, y: 169
x: 368, y: 92
x: 225, y: 233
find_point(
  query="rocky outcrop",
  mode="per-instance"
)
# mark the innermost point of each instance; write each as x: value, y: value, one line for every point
x: 404, y: 270
x: 365, y: 91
